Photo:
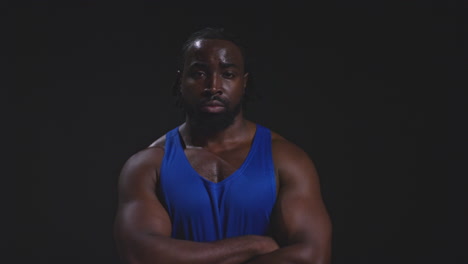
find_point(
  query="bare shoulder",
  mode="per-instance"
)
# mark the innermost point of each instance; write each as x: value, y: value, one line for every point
x: 292, y: 164
x: 145, y: 164
x: 160, y: 142
x: 149, y: 157
x: 285, y: 151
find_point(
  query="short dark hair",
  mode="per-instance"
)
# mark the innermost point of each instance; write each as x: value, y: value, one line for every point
x: 221, y: 34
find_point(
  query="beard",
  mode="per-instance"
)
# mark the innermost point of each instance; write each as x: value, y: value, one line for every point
x: 211, y: 122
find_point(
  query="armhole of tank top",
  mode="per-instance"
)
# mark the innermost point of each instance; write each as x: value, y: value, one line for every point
x: 271, y: 165
x: 159, y: 190
x: 168, y: 147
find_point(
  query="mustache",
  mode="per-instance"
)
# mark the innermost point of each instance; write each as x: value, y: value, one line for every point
x: 214, y: 98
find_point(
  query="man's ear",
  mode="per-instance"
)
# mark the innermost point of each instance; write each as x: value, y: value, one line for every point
x: 246, y: 78
x: 178, y: 75
x: 176, y: 85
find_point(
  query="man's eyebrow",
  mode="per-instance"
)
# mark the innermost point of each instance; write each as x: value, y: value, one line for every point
x: 228, y: 65
x: 224, y: 65
x: 198, y: 64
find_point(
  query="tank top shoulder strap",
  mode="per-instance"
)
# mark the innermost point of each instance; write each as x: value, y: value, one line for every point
x: 263, y: 138
x: 172, y: 144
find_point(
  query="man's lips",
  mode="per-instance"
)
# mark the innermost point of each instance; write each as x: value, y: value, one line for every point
x: 213, y: 103
x: 212, y: 107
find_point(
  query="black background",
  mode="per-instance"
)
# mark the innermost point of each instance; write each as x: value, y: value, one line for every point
x: 372, y: 91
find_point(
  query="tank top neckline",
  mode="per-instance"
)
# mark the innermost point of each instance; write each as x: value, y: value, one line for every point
x: 238, y: 171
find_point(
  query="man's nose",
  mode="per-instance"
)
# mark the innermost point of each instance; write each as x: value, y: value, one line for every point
x: 213, y: 84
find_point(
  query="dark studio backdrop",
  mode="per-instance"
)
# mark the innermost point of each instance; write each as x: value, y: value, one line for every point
x: 372, y: 91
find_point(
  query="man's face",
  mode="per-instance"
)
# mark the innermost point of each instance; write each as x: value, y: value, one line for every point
x: 213, y: 82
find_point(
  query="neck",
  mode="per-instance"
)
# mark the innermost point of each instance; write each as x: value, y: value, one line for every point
x: 197, y: 136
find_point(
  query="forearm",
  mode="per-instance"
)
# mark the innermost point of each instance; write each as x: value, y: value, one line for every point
x: 156, y: 249
x: 295, y: 254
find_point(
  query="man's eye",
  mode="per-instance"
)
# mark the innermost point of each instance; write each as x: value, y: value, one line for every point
x: 228, y: 75
x: 198, y: 74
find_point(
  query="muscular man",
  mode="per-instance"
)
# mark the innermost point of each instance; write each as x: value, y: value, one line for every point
x: 219, y: 188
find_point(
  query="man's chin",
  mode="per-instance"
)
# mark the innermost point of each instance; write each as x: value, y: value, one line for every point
x: 212, y: 121
x: 212, y: 118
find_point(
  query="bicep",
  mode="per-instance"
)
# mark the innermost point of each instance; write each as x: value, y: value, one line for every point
x: 139, y: 210
x: 300, y: 215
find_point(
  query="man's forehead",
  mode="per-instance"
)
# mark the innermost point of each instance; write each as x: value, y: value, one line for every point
x: 214, y: 48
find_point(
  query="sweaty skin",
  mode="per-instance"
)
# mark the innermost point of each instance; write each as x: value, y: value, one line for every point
x: 301, y: 227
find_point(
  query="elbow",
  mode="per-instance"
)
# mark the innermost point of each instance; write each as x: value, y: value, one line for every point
x: 128, y: 260
x: 136, y: 249
x: 126, y: 254
x: 312, y: 254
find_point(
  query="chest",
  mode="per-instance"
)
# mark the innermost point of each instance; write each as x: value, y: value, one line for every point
x: 216, y: 166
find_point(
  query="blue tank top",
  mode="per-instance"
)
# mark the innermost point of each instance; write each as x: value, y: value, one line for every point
x: 201, y: 210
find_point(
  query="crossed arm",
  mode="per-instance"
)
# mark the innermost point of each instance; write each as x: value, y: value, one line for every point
x: 300, y: 220
x: 301, y: 224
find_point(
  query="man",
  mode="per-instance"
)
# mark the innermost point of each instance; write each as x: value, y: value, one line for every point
x: 220, y: 188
